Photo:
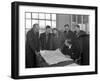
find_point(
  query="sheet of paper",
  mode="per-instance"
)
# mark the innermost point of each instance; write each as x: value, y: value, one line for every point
x: 54, y: 57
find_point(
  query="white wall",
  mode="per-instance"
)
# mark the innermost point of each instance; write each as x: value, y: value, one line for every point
x: 5, y: 41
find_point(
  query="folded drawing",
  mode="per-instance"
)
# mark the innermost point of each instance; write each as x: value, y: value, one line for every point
x: 54, y: 57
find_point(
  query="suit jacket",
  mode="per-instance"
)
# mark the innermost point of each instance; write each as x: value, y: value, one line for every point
x: 32, y: 45
x: 65, y: 50
x: 74, y: 51
x: 57, y: 42
x: 82, y: 40
x: 69, y: 35
x: 45, y: 41
x: 79, y: 39
x: 80, y: 33
x: 84, y: 45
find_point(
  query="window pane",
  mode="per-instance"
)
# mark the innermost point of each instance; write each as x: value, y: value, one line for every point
x: 34, y: 22
x: 47, y: 16
x: 48, y: 23
x: 85, y: 19
x: 35, y: 15
x: 82, y: 27
x: 41, y: 16
x: 73, y: 18
x: 28, y: 23
x: 79, y: 19
x: 53, y: 24
x: 28, y: 15
x: 42, y: 23
x: 53, y: 16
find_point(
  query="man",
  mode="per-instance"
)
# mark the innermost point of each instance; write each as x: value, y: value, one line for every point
x: 79, y: 32
x: 68, y: 34
x: 32, y: 46
x: 82, y: 40
x: 45, y: 39
x: 71, y: 49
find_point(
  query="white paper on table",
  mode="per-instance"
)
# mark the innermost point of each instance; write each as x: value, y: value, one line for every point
x: 54, y: 57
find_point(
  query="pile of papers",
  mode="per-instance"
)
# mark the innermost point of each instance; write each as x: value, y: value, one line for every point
x: 54, y: 57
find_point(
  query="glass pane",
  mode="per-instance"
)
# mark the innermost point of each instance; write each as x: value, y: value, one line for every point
x: 28, y: 15
x: 28, y: 23
x: 53, y: 24
x: 34, y: 22
x: 53, y: 16
x: 35, y: 15
x: 79, y: 19
x: 82, y: 27
x: 73, y: 18
x: 85, y: 19
x: 41, y: 16
x: 42, y: 23
x: 47, y: 16
x: 48, y: 23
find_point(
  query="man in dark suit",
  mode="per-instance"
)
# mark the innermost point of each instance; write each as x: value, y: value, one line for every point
x: 71, y: 48
x: 46, y: 39
x: 79, y: 34
x: 68, y: 34
x: 32, y: 46
x: 83, y: 41
x: 57, y: 39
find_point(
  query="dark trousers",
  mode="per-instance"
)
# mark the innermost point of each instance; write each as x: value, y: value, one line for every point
x: 31, y: 60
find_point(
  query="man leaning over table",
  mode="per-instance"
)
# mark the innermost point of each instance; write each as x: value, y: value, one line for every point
x: 32, y: 46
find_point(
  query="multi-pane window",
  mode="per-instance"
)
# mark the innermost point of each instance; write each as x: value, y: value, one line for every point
x: 43, y: 19
x: 82, y: 20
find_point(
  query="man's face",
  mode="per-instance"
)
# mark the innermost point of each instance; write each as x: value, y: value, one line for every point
x: 66, y: 28
x: 55, y: 31
x: 48, y: 30
x: 36, y: 29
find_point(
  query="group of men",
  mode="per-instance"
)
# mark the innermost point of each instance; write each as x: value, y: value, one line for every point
x: 75, y: 44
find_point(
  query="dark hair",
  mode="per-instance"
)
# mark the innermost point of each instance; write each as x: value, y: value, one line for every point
x: 66, y: 25
x: 77, y: 26
x: 55, y: 29
x: 48, y: 27
x: 34, y: 25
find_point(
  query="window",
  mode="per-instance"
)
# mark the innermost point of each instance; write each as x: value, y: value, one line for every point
x: 85, y: 19
x: 79, y: 19
x: 43, y: 19
x: 34, y: 15
x: 28, y: 15
x: 48, y: 16
x: 82, y: 20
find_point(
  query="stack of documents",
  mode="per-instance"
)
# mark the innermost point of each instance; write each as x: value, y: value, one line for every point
x: 54, y: 57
